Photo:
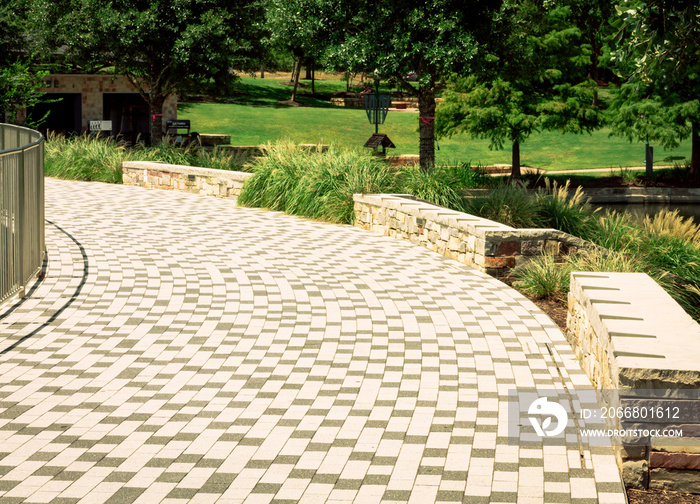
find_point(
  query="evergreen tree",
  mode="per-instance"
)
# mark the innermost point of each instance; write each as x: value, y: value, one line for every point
x: 533, y: 78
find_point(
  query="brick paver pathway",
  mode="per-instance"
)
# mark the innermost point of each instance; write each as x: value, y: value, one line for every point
x: 181, y: 349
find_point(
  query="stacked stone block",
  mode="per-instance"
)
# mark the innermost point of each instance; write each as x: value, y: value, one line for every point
x: 206, y: 181
x: 483, y: 244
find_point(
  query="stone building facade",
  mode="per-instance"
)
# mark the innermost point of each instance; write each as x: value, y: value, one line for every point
x: 82, y: 98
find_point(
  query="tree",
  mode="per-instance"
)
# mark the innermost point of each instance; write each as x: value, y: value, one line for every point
x: 19, y: 87
x: 658, y: 53
x: 302, y: 27
x: 593, y: 19
x: 390, y: 39
x: 19, y: 82
x: 159, y: 45
x: 533, y: 79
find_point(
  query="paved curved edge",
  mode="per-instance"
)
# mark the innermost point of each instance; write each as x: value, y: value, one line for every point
x: 207, y: 353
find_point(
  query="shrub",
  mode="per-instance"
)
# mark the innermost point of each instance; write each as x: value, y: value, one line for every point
x: 669, y: 223
x: 434, y: 186
x: 84, y: 158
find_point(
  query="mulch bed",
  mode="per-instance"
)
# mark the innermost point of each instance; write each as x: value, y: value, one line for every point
x: 660, y: 497
x: 555, y: 308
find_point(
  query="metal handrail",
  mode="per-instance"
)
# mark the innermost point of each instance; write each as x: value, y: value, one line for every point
x: 21, y: 208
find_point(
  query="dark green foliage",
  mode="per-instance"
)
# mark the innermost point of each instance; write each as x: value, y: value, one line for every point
x: 318, y: 185
x: 443, y: 185
x: 571, y: 213
x: 658, y: 53
x: 533, y: 79
x: 19, y: 87
x: 391, y: 39
x: 19, y: 81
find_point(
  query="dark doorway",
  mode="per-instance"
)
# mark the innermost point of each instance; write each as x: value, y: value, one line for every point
x: 129, y: 115
x: 64, y: 113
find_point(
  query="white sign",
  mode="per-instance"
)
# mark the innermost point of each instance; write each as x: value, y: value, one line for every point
x: 100, y: 125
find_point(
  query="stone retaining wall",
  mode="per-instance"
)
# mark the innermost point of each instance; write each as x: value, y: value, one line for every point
x: 637, y: 195
x: 219, y: 183
x: 629, y: 333
x: 485, y: 245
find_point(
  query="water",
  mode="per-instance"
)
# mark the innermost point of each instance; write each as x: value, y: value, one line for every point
x: 652, y: 209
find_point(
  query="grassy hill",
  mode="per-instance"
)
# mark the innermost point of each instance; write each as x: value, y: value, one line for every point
x: 254, y: 116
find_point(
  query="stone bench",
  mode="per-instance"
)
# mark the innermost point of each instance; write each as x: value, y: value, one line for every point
x: 207, y: 181
x: 629, y: 333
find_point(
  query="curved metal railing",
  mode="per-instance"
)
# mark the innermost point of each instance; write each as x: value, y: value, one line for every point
x: 21, y: 208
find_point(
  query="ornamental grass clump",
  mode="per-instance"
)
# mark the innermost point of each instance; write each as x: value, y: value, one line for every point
x: 84, y: 158
x: 543, y: 277
x: 318, y: 185
x: 558, y: 209
x: 100, y: 158
x: 509, y: 203
x: 436, y: 186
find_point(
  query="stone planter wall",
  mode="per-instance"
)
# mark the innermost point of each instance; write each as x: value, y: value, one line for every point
x: 219, y: 183
x: 629, y: 333
x: 485, y: 245
x: 637, y: 195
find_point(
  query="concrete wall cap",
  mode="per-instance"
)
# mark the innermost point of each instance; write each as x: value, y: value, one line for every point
x: 646, y: 327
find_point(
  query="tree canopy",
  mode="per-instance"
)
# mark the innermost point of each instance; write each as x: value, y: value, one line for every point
x: 19, y: 81
x: 160, y: 45
x: 658, y: 53
x: 390, y: 39
x: 533, y: 79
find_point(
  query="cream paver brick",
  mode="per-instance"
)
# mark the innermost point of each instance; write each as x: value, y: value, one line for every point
x: 209, y: 353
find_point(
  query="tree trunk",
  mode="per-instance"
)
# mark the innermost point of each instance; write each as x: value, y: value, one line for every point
x: 426, y: 128
x: 309, y: 63
x: 515, y: 161
x: 262, y: 71
x: 313, y: 77
x: 155, y: 107
x: 695, y: 156
x: 294, y: 72
x: 296, y: 80
x: 595, y: 71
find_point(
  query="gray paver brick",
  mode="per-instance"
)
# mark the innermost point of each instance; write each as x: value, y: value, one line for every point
x: 180, y: 347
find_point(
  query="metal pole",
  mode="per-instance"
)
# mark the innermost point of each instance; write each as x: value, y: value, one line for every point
x: 376, y: 104
x: 20, y: 231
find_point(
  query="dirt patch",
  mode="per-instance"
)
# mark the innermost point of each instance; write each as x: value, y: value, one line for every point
x: 660, y: 497
x: 290, y: 102
x: 555, y: 308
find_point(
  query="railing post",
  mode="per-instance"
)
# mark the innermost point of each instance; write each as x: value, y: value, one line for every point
x: 21, y: 222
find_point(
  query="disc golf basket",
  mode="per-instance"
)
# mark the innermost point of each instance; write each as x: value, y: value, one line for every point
x: 377, y: 107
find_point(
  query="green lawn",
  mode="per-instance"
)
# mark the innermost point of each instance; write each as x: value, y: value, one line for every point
x: 255, y: 117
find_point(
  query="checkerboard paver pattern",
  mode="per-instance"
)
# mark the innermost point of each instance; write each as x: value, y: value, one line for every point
x: 183, y: 350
